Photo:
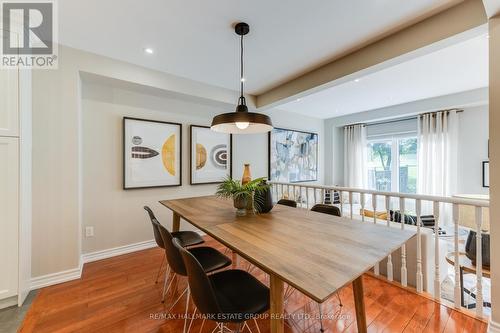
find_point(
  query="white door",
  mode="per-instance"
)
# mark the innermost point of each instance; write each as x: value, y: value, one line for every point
x: 9, y: 216
x: 25, y: 192
x: 9, y: 97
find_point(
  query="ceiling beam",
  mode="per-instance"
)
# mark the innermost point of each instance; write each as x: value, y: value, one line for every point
x: 492, y: 7
x: 465, y: 16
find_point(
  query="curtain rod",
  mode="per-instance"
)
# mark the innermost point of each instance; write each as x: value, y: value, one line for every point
x: 403, y: 119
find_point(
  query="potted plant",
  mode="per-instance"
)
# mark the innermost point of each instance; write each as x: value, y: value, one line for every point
x: 242, y: 194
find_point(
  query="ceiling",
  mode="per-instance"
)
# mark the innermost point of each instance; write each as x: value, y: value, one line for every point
x: 457, y: 68
x: 194, y: 38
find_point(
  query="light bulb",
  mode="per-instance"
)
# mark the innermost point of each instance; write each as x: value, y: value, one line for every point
x: 242, y: 124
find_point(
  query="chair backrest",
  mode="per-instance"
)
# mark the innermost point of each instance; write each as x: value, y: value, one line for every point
x: 156, y: 232
x: 201, y: 288
x: 287, y: 202
x: 326, y: 209
x: 173, y: 255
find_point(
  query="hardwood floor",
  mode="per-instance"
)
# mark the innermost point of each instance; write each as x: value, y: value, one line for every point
x: 119, y: 295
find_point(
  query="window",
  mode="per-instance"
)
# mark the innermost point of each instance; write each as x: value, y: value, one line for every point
x: 392, y: 164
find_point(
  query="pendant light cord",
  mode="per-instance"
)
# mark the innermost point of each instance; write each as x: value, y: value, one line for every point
x: 242, y: 98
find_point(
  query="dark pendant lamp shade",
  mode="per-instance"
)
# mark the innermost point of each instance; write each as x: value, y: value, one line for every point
x: 241, y: 121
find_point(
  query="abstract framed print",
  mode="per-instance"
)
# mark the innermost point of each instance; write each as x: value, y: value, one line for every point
x: 293, y: 156
x: 151, y: 153
x: 210, y: 155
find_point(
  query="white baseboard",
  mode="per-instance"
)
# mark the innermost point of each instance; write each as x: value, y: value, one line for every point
x: 117, y: 251
x: 8, y: 302
x: 56, y: 278
x: 493, y: 327
x: 76, y: 273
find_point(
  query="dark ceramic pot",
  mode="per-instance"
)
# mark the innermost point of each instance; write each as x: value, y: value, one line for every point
x: 470, y: 248
x: 264, y: 200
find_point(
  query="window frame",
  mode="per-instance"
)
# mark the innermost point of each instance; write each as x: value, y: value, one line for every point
x: 395, y: 155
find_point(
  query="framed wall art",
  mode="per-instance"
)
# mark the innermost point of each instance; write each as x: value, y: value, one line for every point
x: 151, y: 153
x: 293, y: 156
x: 210, y: 155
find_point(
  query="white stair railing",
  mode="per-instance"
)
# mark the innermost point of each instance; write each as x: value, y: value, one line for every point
x: 309, y: 195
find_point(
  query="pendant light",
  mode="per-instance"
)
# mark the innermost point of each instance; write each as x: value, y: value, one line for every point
x: 241, y: 121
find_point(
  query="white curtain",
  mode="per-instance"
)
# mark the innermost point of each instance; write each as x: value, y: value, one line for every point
x: 438, y: 157
x: 355, y: 172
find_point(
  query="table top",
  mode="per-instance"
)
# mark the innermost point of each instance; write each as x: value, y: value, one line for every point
x: 466, y: 263
x: 313, y: 252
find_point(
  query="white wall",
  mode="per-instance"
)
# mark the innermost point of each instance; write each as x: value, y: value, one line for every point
x: 116, y: 214
x: 473, y: 149
x: 473, y: 143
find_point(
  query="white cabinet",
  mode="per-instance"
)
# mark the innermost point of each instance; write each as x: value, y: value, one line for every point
x: 9, y: 216
x: 9, y: 101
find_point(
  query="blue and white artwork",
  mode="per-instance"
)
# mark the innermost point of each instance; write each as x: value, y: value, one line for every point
x: 293, y: 156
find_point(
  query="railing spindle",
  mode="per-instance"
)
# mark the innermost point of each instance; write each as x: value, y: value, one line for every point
x: 351, y: 204
x: 315, y: 196
x: 420, y: 276
x: 457, y: 259
x: 437, y: 278
x: 390, y: 268
x: 479, y: 262
x: 362, y: 198
x: 376, y: 268
x: 307, y: 197
x: 322, y: 196
x: 404, y: 271
x: 341, y: 199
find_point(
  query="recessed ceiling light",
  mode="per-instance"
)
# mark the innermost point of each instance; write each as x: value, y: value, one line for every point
x: 357, y: 80
x: 298, y: 99
x: 488, y: 36
x: 149, y: 50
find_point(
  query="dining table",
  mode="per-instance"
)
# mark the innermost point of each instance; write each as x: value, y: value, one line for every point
x: 315, y: 253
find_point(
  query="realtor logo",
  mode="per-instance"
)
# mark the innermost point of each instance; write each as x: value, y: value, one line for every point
x: 29, y: 34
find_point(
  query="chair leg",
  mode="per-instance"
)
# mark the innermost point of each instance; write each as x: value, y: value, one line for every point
x: 187, y: 309
x: 202, y: 324
x: 320, y: 318
x: 340, y: 299
x: 165, y: 288
x: 192, y: 319
x: 160, y: 268
x: 177, y: 300
x: 256, y: 325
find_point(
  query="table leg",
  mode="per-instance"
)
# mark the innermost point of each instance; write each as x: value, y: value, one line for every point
x: 234, y: 259
x: 176, y: 222
x: 277, y: 305
x: 359, y: 303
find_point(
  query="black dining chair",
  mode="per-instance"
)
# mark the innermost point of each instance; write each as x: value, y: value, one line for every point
x: 326, y: 209
x: 335, y: 211
x: 287, y: 202
x: 187, y: 238
x: 210, y: 259
x: 230, y: 296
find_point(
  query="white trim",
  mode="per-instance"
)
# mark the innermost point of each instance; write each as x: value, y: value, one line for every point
x: 76, y: 273
x: 8, y: 302
x: 493, y: 327
x: 56, y: 278
x: 117, y: 251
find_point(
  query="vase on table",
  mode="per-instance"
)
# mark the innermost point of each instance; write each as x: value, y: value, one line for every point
x: 241, y: 203
x: 263, y: 200
x: 245, y: 179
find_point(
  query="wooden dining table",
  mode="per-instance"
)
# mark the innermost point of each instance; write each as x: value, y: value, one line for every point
x: 315, y: 253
